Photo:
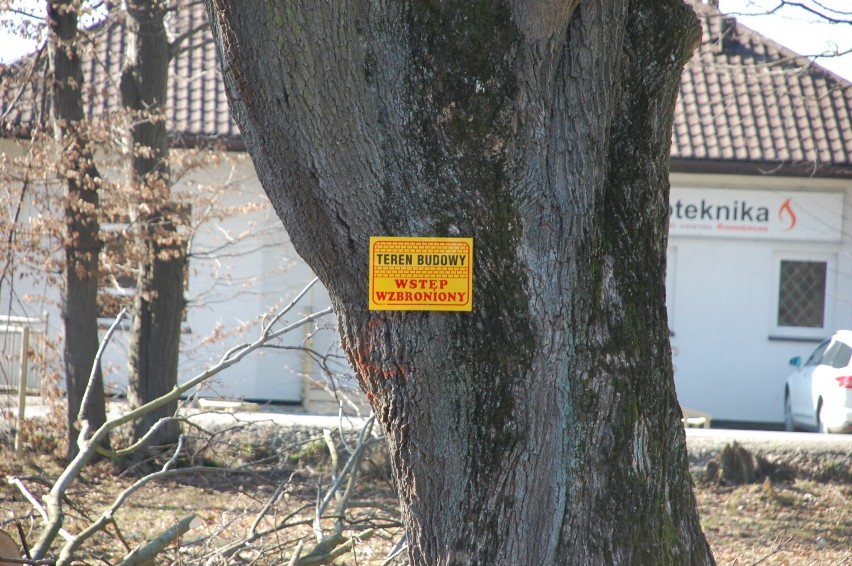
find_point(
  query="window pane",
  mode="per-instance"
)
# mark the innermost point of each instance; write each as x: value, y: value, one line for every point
x: 801, y: 299
x: 837, y: 355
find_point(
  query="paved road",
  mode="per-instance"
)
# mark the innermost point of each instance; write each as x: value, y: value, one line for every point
x: 701, y: 440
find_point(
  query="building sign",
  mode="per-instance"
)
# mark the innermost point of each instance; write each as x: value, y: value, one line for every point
x: 422, y: 274
x: 729, y: 213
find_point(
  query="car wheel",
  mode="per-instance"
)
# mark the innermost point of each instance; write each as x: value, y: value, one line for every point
x: 821, y: 428
x: 788, y: 414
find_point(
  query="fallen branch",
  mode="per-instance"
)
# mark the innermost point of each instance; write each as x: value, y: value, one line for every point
x: 96, y: 364
x: 775, y: 550
x: 88, y: 446
x: 318, y: 557
x: 335, y: 544
x: 145, y: 554
x: 397, y: 549
x: 349, y: 468
x: 67, y: 552
x: 296, y: 554
x: 331, y: 507
x: 230, y: 549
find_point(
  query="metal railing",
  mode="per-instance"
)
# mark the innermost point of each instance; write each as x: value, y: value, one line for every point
x: 21, y: 338
x: 16, y: 351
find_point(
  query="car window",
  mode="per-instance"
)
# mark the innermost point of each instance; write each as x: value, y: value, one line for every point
x: 837, y: 355
x: 842, y: 358
x: 816, y: 357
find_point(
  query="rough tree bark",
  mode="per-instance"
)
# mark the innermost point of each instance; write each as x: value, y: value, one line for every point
x: 82, y: 238
x: 159, y: 301
x: 543, y: 427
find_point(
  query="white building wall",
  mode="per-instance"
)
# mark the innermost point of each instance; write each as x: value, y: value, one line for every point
x: 730, y: 357
x: 242, y: 267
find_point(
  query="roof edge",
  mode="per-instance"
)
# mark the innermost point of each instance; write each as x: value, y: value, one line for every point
x: 761, y: 168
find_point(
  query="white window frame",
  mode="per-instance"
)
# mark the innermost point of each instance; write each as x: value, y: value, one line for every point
x: 806, y: 333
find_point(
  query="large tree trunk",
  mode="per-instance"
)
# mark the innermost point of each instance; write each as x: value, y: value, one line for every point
x: 82, y: 238
x: 159, y: 302
x: 542, y: 427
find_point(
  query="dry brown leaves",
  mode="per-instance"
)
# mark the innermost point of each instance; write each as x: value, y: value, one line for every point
x: 795, y: 523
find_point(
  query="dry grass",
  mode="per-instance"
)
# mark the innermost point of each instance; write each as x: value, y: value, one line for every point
x: 798, y: 522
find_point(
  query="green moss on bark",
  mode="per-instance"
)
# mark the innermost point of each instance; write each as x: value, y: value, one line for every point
x: 462, y: 82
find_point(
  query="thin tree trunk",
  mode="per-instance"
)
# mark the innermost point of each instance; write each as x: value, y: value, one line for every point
x: 82, y: 239
x: 159, y: 302
x: 542, y: 427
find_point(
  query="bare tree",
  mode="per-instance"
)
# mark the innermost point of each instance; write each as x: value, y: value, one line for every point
x: 159, y: 302
x: 543, y: 427
x: 821, y: 10
x: 146, y: 259
x: 82, y: 239
x: 331, y: 504
x: 804, y: 11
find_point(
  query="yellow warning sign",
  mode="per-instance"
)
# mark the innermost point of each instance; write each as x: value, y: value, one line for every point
x: 421, y: 274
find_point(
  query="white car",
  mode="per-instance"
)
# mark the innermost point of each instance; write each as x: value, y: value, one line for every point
x: 818, y: 395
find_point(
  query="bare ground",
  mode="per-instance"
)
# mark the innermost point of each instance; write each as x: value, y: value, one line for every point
x: 801, y: 517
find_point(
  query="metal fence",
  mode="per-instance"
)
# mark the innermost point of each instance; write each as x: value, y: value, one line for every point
x: 22, y: 339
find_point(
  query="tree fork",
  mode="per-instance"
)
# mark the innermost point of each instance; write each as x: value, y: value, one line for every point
x: 541, y: 428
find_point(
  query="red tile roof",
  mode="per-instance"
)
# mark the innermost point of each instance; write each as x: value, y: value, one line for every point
x: 198, y: 107
x: 746, y: 103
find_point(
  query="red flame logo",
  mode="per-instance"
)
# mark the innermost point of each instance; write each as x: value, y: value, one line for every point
x: 786, y: 209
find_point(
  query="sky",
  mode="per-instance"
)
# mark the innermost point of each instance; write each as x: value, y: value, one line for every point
x: 799, y: 30
x: 791, y: 26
